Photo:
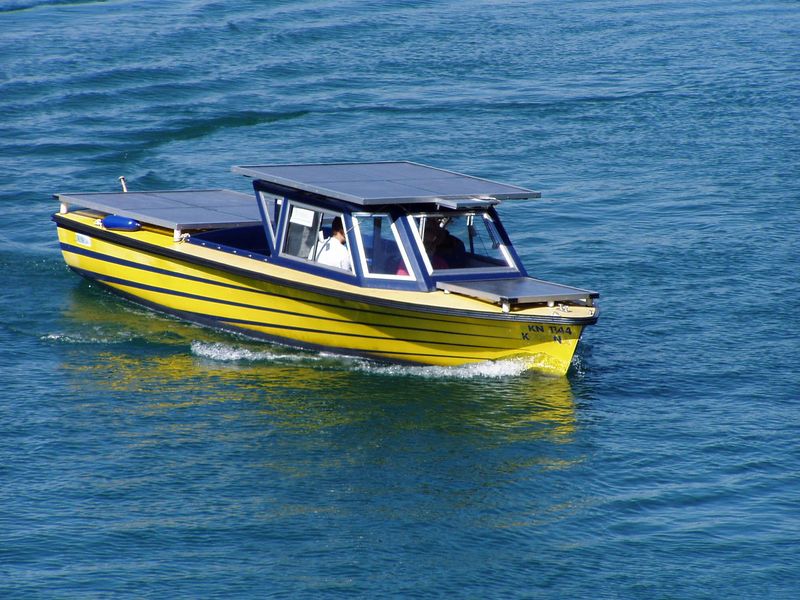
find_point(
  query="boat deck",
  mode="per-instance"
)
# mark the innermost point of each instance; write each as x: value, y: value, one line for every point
x: 517, y: 290
x: 177, y: 210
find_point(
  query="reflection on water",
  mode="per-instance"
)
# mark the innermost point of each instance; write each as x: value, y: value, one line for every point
x: 519, y: 406
x: 448, y: 437
x: 178, y: 365
x: 96, y: 316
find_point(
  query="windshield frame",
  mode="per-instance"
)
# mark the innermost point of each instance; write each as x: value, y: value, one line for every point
x: 363, y: 216
x: 417, y: 221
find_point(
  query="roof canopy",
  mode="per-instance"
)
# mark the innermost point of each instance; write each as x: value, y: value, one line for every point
x: 379, y: 183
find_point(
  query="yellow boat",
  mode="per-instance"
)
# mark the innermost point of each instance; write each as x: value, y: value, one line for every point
x: 394, y: 261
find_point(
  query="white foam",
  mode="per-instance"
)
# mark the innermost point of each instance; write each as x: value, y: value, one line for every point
x: 64, y: 338
x: 226, y: 353
x: 491, y: 370
x: 512, y: 367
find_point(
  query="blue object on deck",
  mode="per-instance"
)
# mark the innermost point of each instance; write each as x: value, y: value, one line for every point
x: 119, y: 223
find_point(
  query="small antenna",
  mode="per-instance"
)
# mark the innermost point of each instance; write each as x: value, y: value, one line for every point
x: 122, y: 183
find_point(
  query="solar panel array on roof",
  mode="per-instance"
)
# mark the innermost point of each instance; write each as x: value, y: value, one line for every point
x: 189, y: 209
x: 383, y: 182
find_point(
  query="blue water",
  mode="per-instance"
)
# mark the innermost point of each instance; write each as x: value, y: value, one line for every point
x: 143, y: 457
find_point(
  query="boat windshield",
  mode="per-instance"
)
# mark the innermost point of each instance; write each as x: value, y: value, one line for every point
x: 467, y: 240
x: 382, y: 254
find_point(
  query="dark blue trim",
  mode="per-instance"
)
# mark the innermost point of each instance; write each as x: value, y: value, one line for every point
x: 346, y: 209
x: 494, y: 320
x: 355, y: 251
x: 135, y: 265
x: 108, y: 280
x: 306, y: 266
x: 127, y: 263
x: 390, y: 306
x: 143, y: 286
x: 407, y: 238
x: 498, y: 223
x: 302, y: 196
x: 250, y: 240
x: 225, y: 326
x: 452, y: 274
x: 265, y: 222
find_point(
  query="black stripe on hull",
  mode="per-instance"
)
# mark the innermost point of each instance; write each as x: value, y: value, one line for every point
x: 130, y: 283
x: 114, y: 281
x: 125, y: 242
x: 228, y: 325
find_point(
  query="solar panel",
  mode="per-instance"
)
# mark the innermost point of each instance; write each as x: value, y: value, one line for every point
x: 189, y: 209
x: 383, y: 182
x: 516, y: 290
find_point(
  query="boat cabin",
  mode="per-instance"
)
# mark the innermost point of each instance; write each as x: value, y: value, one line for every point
x: 401, y: 225
x: 395, y: 225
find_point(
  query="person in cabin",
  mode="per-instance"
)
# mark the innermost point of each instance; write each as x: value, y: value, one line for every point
x: 450, y: 248
x: 433, y: 237
x: 333, y: 251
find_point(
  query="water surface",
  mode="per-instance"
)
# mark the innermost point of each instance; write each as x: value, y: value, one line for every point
x: 144, y: 457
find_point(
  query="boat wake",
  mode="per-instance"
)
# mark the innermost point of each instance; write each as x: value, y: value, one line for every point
x: 222, y: 352
x: 226, y: 353
x: 512, y: 367
x: 66, y: 338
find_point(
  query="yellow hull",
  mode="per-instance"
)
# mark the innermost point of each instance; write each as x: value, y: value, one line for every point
x: 249, y: 295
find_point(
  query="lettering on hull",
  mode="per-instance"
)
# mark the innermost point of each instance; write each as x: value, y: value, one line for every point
x: 555, y: 330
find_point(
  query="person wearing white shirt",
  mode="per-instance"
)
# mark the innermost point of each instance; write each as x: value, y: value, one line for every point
x: 333, y: 252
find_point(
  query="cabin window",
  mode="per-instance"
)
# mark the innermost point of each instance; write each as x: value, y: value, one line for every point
x: 271, y: 206
x: 382, y: 254
x: 461, y: 241
x: 311, y: 234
